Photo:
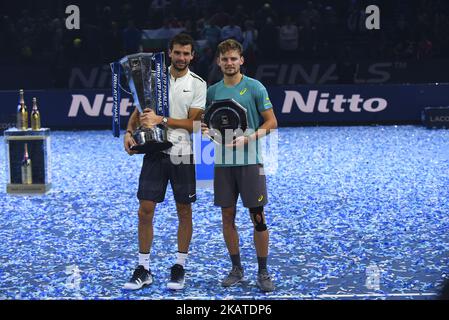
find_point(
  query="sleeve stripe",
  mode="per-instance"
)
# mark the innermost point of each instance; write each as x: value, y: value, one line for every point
x: 196, y: 77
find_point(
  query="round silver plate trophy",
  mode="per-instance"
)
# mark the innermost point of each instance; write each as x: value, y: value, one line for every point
x: 147, y: 79
x: 226, y: 119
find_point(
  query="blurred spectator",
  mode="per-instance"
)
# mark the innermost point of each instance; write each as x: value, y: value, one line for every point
x: 250, y: 37
x: 158, y: 6
x: 215, y: 73
x: 126, y: 14
x: 190, y: 28
x: 310, y: 37
x: 424, y: 50
x: 240, y: 15
x: 156, y: 13
x: 76, y: 52
x: 231, y: 31
x: 268, y: 40
x: 204, y: 60
x: 8, y: 39
x: 398, y: 50
x: 356, y: 18
x: 263, y: 14
x: 409, y: 51
x: 57, y: 39
x: 221, y: 17
x: 288, y: 38
x: 330, y: 26
x: 131, y: 38
x: 105, y: 18
x: 424, y: 22
x: 441, y: 35
x: 309, y: 16
x: 25, y: 21
x: 169, y: 29
x: 250, y: 46
x: 347, y: 69
x: 173, y: 22
x: 92, y: 43
x: 211, y: 33
x: 27, y: 44
x: 112, y: 44
x: 402, y: 29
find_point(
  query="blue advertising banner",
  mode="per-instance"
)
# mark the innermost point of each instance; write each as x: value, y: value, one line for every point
x: 64, y: 109
x: 377, y: 104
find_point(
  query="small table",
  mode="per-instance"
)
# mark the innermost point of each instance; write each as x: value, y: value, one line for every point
x: 38, y: 145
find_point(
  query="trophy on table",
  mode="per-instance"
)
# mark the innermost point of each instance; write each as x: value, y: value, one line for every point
x: 147, y: 79
x: 28, y: 168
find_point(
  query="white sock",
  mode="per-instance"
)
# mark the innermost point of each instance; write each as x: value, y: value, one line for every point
x: 181, y: 258
x: 144, y: 260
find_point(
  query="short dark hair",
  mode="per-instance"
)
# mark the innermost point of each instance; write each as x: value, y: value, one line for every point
x: 182, y: 39
x: 228, y: 45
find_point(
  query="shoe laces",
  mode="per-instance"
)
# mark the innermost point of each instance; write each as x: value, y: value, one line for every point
x: 138, y: 273
x: 236, y: 271
x: 264, y: 275
x: 176, y: 270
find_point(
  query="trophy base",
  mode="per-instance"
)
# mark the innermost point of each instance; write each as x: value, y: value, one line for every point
x: 150, y: 140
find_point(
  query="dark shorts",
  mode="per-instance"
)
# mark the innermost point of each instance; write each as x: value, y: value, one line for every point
x: 248, y: 181
x: 157, y: 170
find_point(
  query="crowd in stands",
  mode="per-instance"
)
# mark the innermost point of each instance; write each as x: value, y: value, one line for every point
x: 34, y: 32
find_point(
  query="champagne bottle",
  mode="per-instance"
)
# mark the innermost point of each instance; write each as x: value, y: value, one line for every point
x: 27, y: 174
x: 35, y: 116
x: 22, y: 113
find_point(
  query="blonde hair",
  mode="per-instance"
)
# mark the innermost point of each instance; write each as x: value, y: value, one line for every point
x: 228, y: 45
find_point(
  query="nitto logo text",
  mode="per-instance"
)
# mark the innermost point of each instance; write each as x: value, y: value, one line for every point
x: 324, y: 103
x: 100, y: 103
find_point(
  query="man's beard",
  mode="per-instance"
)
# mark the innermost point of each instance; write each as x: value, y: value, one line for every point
x: 180, y: 69
x: 231, y: 73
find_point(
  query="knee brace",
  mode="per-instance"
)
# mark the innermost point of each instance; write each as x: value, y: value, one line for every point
x: 258, y: 219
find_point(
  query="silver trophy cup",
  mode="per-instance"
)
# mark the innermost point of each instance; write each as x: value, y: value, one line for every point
x: 141, y: 76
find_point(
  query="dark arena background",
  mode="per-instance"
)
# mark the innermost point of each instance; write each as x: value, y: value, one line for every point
x: 357, y: 172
